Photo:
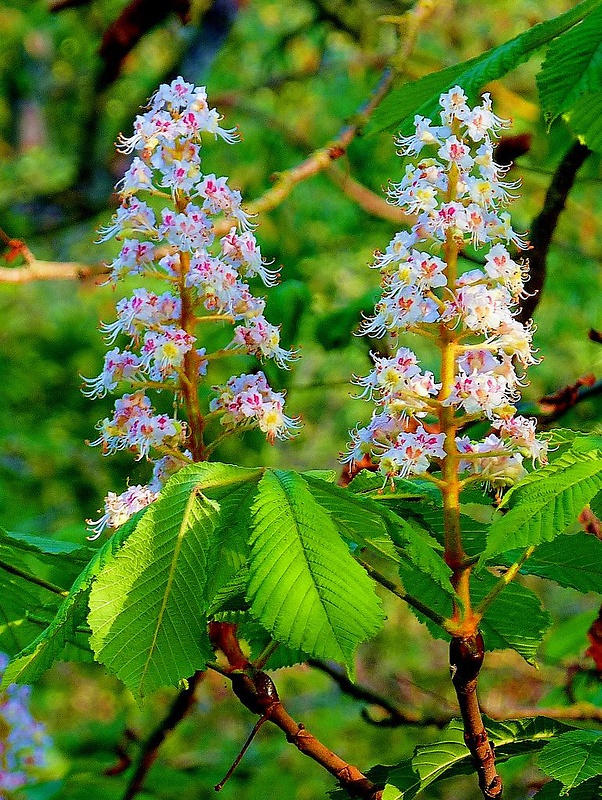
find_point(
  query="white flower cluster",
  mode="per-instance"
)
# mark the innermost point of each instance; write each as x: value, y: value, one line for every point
x: 457, y: 193
x: 206, y: 280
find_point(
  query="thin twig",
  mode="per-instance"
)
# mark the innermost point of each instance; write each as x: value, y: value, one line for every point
x: 501, y: 584
x: 256, y: 690
x: 178, y: 710
x: 50, y: 587
x: 398, y: 591
x: 396, y: 717
x: 544, y: 224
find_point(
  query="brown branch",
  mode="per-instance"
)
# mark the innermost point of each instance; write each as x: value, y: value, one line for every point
x: 555, y: 405
x: 136, y: 19
x: 465, y: 659
x: 256, y: 690
x: 61, y: 5
x: 178, y: 710
x: 323, y: 157
x: 544, y: 224
x: 396, y: 716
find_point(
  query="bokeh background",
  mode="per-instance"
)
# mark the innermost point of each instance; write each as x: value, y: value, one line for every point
x: 288, y: 74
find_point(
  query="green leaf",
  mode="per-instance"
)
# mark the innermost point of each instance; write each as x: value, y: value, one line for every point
x: 573, y: 758
x: 450, y: 757
x: 545, y: 503
x: 422, y: 96
x: 18, y: 598
x: 574, y: 561
x: 515, y: 620
x: 65, y: 552
x: 357, y: 520
x: 572, y: 67
x: 52, y: 644
x: 148, y: 606
x: 585, y: 120
x: 258, y: 638
x: 370, y: 484
x: 305, y: 588
x: 589, y: 790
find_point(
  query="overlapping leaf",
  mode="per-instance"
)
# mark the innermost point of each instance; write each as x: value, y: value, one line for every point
x: 515, y: 619
x: 450, y: 757
x: 589, y: 790
x: 574, y: 561
x: 422, y: 96
x: 148, y: 607
x: 573, y: 758
x: 56, y: 641
x: 572, y: 67
x: 546, y: 503
x: 305, y: 588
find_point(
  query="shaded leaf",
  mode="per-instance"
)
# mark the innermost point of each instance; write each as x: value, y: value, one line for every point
x: 573, y: 758
x: 589, y: 790
x: 148, y: 607
x: 515, y: 620
x: 545, y: 503
x: 450, y: 757
x: 574, y: 561
x: 52, y: 644
x: 572, y: 67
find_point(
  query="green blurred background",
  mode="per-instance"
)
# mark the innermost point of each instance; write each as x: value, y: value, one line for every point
x: 288, y: 74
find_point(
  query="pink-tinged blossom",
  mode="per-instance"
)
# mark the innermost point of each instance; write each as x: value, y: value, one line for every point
x: 134, y: 216
x: 249, y: 400
x: 520, y: 433
x: 412, y: 453
x: 134, y: 258
x: 458, y: 196
x: 206, y: 279
x: 119, y: 366
x: 118, y: 508
x: 163, y: 353
x: 262, y: 339
x: 143, y: 310
x: 242, y: 251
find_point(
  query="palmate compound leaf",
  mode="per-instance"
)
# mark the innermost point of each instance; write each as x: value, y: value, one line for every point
x: 449, y: 756
x: 573, y: 758
x: 572, y: 67
x: 515, y: 620
x: 304, y: 587
x: 56, y: 642
x: 545, y: 503
x: 422, y: 96
x: 148, y: 607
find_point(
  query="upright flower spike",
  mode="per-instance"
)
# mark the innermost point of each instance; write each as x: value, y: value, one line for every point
x: 458, y: 192
x: 171, y: 236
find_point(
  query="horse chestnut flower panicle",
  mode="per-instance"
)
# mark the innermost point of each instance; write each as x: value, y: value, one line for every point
x: 457, y: 191
x: 23, y: 741
x: 172, y: 234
